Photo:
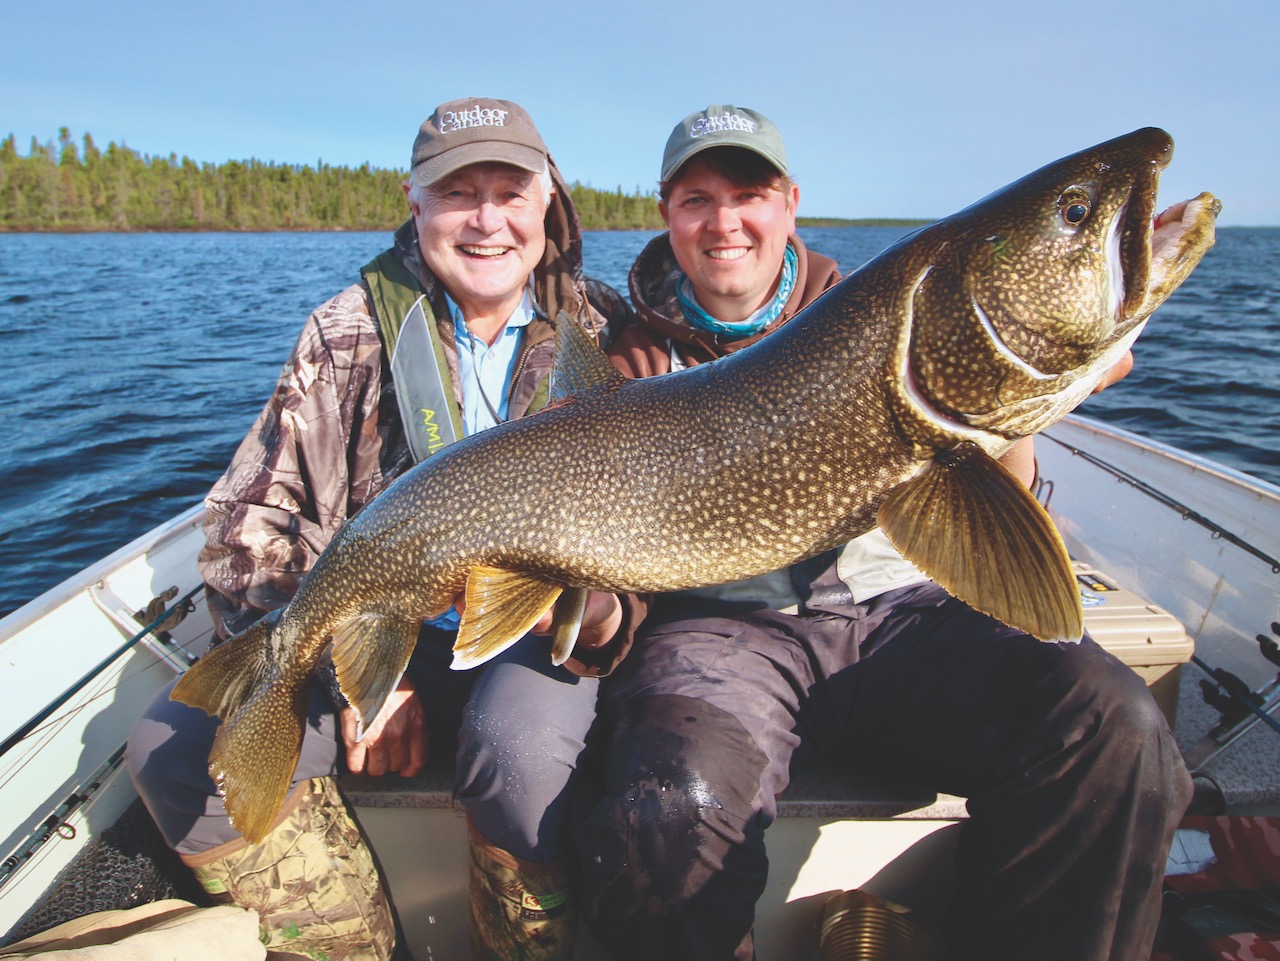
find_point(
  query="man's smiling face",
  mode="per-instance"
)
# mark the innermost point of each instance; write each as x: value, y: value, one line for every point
x: 729, y: 238
x: 481, y: 230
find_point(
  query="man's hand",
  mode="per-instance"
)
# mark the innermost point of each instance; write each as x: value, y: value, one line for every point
x: 396, y: 740
x: 600, y: 621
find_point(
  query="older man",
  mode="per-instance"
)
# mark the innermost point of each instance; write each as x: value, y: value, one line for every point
x: 1073, y: 780
x: 447, y: 332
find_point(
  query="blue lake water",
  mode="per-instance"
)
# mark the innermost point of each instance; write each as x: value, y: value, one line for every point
x: 136, y: 362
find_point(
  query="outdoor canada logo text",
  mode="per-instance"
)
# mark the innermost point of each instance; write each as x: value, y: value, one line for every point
x: 705, y: 126
x: 475, y: 117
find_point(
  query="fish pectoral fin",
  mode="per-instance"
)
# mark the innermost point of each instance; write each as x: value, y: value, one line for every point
x: 579, y: 362
x: 371, y: 652
x: 567, y: 622
x: 975, y: 529
x: 501, y: 607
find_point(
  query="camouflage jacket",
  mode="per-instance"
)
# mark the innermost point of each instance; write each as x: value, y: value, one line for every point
x: 330, y: 438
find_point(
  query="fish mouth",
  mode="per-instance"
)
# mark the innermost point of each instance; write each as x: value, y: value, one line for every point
x: 1176, y: 240
x: 1156, y: 252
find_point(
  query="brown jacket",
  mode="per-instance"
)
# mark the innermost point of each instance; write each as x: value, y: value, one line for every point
x: 644, y: 348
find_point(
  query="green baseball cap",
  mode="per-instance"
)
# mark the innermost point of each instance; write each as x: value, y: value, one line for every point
x: 723, y: 125
x: 476, y: 130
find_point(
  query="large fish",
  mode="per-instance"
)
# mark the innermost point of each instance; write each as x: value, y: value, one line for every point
x: 885, y: 402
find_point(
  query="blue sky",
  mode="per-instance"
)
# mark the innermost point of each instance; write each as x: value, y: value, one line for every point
x: 911, y: 108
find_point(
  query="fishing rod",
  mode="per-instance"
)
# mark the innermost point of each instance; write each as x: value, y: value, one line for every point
x: 1238, y: 707
x: 1187, y: 513
x: 21, y: 733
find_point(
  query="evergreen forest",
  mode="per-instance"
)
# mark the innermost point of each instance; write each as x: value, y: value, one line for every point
x: 69, y: 185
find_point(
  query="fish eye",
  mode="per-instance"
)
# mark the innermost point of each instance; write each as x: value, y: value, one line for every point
x: 1075, y: 205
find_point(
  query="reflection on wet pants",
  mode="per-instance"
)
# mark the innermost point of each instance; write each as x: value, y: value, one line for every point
x: 1073, y: 780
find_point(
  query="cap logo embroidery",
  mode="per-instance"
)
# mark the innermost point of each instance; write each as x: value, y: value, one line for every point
x: 705, y: 126
x: 475, y: 117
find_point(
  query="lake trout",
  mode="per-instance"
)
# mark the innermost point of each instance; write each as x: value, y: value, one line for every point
x: 886, y: 401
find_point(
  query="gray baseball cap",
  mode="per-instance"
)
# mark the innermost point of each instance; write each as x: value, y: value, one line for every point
x: 723, y: 125
x: 476, y: 130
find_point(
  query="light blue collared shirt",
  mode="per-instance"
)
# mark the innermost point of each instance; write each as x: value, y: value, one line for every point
x: 485, y: 370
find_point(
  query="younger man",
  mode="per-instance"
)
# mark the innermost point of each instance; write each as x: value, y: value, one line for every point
x: 1074, y: 782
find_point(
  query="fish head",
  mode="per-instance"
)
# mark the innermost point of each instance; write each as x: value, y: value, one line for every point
x: 1025, y: 299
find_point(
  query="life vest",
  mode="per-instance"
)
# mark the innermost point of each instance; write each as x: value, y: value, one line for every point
x: 429, y: 408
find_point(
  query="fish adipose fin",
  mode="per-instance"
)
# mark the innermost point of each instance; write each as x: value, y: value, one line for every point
x: 975, y: 529
x: 371, y: 652
x: 258, y: 743
x: 501, y: 608
x: 579, y: 361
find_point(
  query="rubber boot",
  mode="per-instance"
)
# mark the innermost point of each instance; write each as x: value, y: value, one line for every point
x: 312, y: 880
x: 520, y: 911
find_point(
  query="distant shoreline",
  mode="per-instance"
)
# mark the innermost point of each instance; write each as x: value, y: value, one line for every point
x: 801, y: 222
x: 85, y: 229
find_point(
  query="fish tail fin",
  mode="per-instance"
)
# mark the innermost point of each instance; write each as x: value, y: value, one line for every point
x: 255, y: 754
x: 259, y: 741
x: 371, y: 652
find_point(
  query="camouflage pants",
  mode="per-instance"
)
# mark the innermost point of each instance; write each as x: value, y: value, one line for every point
x: 312, y: 881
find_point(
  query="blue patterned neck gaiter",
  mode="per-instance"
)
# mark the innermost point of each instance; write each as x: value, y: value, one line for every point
x: 758, y: 321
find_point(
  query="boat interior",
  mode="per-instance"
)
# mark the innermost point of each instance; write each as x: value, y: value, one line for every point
x: 1179, y: 580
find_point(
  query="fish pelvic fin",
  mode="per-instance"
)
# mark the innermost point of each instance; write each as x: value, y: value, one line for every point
x: 567, y: 623
x: 979, y: 533
x: 579, y: 362
x: 502, y: 606
x: 257, y: 746
x: 371, y: 652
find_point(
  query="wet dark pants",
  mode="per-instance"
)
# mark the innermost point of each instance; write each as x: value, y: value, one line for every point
x: 1073, y: 780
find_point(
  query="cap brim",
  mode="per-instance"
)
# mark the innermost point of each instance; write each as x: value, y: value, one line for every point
x: 693, y: 149
x: 485, y: 151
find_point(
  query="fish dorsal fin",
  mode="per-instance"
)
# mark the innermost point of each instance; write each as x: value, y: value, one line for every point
x: 501, y: 607
x: 371, y: 652
x: 567, y: 622
x: 579, y: 361
x: 975, y: 529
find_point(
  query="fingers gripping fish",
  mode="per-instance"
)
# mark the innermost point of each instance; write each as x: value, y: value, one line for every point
x: 885, y: 402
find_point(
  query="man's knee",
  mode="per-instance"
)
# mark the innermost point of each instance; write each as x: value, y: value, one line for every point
x: 677, y: 815
x: 1117, y: 727
x: 514, y: 767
